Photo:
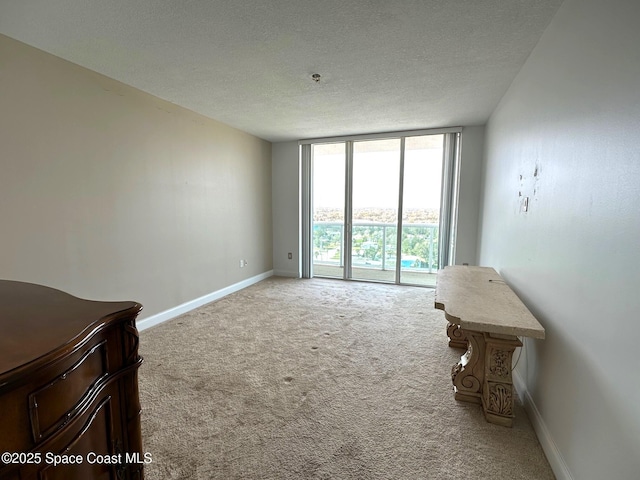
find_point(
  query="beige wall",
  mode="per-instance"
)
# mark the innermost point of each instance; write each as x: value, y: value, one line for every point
x: 110, y: 193
x: 286, y: 209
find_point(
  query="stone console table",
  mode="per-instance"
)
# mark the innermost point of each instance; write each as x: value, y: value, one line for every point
x: 485, y: 317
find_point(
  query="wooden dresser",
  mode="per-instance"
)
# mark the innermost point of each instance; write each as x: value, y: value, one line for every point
x: 69, y: 405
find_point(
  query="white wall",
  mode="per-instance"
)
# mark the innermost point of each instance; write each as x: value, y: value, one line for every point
x: 112, y: 194
x: 286, y: 212
x: 567, y: 135
x: 471, y: 154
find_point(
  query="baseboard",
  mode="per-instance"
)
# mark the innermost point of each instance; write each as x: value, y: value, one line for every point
x: 555, y: 458
x: 198, y: 302
x: 286, y: 273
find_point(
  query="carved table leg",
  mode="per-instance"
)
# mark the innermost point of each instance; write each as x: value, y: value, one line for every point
x: 468, y: 374
x: 497, y: 388
x: 483, y: 374
x: 456, y: 336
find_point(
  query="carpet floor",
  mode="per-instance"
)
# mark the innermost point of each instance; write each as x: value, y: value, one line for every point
x: 318, y: 379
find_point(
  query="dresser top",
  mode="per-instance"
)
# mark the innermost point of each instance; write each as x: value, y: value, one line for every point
x: 477, y: 298
x: 37, y: 323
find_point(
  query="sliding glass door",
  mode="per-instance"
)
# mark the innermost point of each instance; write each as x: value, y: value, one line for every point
x: 329, y: 209
x: 374, y: 213
x: 422, y: 191
x: 376, y: 208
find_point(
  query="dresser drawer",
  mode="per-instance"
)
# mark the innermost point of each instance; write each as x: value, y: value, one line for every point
x: 53, y: 404
x: 96, y: 429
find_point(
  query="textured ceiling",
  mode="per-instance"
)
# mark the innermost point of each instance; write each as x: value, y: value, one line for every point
x: 386, y: 65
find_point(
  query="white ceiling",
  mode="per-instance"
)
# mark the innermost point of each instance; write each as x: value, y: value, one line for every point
x: 386, y: 65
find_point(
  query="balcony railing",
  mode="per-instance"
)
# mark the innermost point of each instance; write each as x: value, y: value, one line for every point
x: 374, y: 245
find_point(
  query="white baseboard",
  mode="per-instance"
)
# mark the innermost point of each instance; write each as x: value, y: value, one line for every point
x: 555, y: 458
x: 198, y: 302
x: 286, y: 273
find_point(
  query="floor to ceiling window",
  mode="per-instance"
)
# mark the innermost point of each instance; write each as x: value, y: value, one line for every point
x: 329, y: 209
x: 380, y: 209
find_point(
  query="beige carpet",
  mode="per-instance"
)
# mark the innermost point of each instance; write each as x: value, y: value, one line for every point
x: 318, y: 379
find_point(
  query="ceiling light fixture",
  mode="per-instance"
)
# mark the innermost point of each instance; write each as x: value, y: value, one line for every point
x: 315, y: 77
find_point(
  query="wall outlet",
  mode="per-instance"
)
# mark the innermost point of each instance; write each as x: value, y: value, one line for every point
x: 241, y: 263
x: 290, y: 255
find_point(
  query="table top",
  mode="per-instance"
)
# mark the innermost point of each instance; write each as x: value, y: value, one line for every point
x: 478, y: 298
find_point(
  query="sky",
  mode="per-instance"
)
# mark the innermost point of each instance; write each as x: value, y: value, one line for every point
x: 375, y: 177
